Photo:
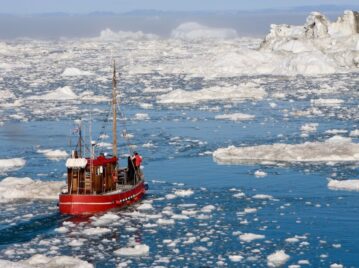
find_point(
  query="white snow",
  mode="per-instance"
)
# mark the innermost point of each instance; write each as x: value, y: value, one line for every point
x: 345, y: 185
x: 334, y: 149
x: 137, y: 250
x: 277, y: 259
x: 235, y: 117
x: 249, y: 237
x: 195, y: 31
x: 53, y: 154
x: 11, y: 164
x: 227, y: 94
x: 75, y: 72
x: 12, y: 188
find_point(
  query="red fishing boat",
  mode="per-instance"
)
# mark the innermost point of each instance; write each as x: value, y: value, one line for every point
x: 97, y: 183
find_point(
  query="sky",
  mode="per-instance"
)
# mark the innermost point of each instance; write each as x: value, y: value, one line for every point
x: 119, y: 6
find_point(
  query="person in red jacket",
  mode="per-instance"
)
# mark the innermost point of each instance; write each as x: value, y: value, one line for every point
x: 137, y: 160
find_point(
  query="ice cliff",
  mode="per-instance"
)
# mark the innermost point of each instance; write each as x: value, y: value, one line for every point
x: 319, y: 46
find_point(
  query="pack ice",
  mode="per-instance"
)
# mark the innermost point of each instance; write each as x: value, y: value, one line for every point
x: 335, y: 149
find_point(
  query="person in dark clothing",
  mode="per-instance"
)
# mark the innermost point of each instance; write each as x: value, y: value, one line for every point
x: 131, y: 169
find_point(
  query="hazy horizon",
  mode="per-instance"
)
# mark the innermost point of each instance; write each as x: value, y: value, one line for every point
x: 66, y: 25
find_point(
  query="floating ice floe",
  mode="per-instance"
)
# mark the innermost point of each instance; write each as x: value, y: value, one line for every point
x: 249, y: 237
x: 184, y: 193
x: 345, y: 185
x: 105, y: 220
x: 75, y: 72
x: 42, y: 261
x: 59, y: 94
x: 145, y: 206
x: 227, y: 94
x: 53, y: 154
x: 336, y: 265
x: 335, y: 149
x: 195, y: 31
x: 277, y: 259
x: 309, y: 128
x: 262, y: 196
x: 260, y: 174
x: 6, y: 94
x: 141, y: 116
x: 12, y: 188
x: 11, y: 164
x: 235, y: 258
x: 137, y: 250
x: 98, y: 231
x: 354, y: 133
x: 235, y: 117
x: 326, y: 102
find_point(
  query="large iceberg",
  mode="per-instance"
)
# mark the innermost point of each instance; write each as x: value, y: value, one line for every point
x: 317, y: 47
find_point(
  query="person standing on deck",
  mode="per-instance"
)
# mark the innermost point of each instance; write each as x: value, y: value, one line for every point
x: 137, y: 159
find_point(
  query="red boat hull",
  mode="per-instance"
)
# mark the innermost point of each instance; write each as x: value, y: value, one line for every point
x: 74, y: 204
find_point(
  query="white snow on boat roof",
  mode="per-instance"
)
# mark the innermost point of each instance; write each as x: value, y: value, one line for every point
x: 76, y: 162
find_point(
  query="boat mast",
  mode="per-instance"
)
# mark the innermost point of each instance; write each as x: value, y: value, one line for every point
x: 114, y: 104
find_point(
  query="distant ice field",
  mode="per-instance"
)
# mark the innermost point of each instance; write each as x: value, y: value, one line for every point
x: 245, y: 166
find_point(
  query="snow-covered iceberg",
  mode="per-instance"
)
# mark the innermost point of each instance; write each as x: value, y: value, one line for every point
x: 335, y: 149
x: 317, y: 47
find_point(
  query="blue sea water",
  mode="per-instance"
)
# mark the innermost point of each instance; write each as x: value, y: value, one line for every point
x: 324, y: 221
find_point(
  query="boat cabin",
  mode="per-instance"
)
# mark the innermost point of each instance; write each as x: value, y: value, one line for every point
x: 91, y: 176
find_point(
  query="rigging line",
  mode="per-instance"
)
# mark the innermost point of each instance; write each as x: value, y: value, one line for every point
x: 104, y: 125
x: 124, y: 132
